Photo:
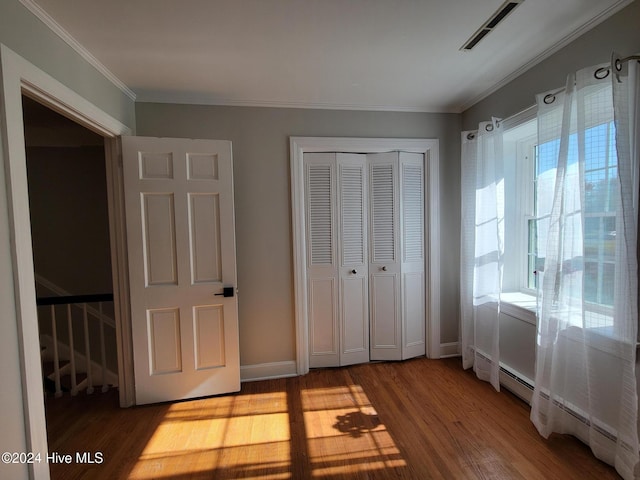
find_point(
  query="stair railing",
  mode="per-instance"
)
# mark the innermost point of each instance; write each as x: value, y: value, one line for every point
x: 82, y: 302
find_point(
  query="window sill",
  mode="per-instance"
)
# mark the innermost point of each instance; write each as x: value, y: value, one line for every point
x: 519, y: 305
x: 522, y: 306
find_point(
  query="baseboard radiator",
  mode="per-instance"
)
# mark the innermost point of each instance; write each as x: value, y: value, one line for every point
x: 523, y: 387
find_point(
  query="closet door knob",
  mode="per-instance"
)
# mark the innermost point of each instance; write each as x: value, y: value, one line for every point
x: 384, y: 268
x: 354, y: 271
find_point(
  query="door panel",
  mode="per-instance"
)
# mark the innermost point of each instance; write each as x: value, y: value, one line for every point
x: 209, y: 336
x: 320, y: 204
x: 352, y: 245
x: 355, y: 327
x: 413, y: 315
x: 181, y: 246
x: 323, y: 323
x: 164, y: 341
x: 205, y: 242
x: 385, y: 325
x: 384, y: 264
x: 159, y: 230
x: 413, y: 260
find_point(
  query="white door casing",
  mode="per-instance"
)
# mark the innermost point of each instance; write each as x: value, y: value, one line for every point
x: 18, y: 77
x: 181, y: 243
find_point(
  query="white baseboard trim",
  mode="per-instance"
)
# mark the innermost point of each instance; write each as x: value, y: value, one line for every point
x: 268, y: 371
x: 451, y: 349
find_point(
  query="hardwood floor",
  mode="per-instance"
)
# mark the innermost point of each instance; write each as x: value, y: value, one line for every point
x: 418, y: 419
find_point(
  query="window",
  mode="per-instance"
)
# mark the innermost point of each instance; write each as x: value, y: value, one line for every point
x: 527, y: 221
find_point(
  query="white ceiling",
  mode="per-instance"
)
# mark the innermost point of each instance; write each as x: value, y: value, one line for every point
x: 352, y: 54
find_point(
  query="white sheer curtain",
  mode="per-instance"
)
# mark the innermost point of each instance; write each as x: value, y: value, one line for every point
x: 482, y: 249
x: 585, y: 382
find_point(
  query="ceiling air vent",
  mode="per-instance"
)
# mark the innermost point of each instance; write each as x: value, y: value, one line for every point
x: 494, y: 20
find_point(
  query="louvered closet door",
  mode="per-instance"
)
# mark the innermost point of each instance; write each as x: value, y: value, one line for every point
x: 352, y: 250
x: 412, y: 285
x: 322, y: 265
x: 384, y: 262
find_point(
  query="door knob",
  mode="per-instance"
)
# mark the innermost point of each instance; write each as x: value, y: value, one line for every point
x: 354, y: 271
x: 384, y: 268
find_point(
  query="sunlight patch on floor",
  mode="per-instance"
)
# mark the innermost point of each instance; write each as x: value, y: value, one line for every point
x: 232, y: 434
x: 249, y: 436
x: 344, y: 433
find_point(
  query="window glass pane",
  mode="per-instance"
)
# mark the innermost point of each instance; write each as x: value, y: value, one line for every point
x: 608, y: 280
x: 547, y: 156
x: 596, y: 141
x: 608, y: 239
x: 592, y: 235
x: 597, y: 145
x: 590, y: 282
x: 596, y: 191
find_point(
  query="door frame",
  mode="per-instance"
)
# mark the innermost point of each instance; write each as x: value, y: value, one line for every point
x: 429, y: 148
x: 18, y: 77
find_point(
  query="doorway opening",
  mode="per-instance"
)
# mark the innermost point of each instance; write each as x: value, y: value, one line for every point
x: 69, y: 218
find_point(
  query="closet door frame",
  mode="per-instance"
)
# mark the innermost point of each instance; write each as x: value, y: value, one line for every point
x: 429, y: 148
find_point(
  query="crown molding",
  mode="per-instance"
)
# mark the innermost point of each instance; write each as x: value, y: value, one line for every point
x: 187, y: 98
x: 548, y: 52
x: 56, y: 28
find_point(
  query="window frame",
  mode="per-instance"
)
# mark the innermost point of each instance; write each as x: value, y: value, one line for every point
x: 525, y: 181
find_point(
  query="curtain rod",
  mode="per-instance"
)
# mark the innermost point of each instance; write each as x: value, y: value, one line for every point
x: 601, y: 73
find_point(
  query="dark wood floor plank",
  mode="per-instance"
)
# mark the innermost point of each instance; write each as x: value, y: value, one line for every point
x: 419, y: 419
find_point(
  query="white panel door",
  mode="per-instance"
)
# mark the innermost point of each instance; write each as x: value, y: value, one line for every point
x: 353, y: 262
x: 384, y: 261
x: 322, y: 274
x: 412, y: 283
x: 181, y: 247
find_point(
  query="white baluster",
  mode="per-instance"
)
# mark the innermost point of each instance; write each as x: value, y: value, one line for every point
x: 87, y: 349
x: 103, y: 352
x: 72, y: 352
x: 56, y: 357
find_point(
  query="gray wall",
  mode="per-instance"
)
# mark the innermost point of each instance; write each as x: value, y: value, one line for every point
x: 260, y: 139
x: 620, y: 33
x: 26, y: 35
x: 69, y: 217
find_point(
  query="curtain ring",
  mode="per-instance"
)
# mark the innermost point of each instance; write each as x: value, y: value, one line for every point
x: 488, y: 127
x: 471, y: 136
x: 549, y: 99
x: 601, y: 73
x: 617, y: 64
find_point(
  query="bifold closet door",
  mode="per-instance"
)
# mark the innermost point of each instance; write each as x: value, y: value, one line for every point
x: 384, y: 265
x: 396, y: 267
x: 337, y: 281
x: 412, y: 256
x: 352, y: 251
